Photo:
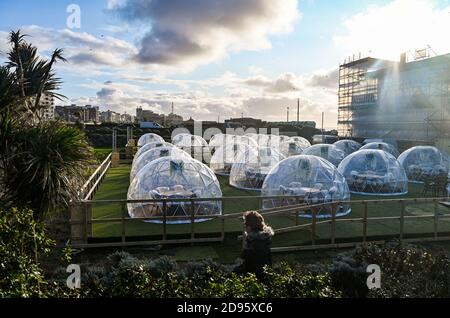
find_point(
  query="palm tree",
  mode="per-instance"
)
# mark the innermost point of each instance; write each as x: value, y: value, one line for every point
x: 56, y: 56
x: 42, y: 164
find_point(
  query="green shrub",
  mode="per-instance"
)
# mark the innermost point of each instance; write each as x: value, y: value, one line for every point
x: 22, y: 241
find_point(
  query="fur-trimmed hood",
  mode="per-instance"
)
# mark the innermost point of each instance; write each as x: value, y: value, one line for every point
x: 266, y: 234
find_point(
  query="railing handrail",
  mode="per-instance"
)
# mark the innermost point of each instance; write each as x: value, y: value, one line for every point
x: 274, y: 211
x: 86, y: 184
x: 406, y: 200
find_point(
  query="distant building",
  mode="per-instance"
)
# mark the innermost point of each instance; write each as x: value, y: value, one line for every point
x: 74, y: 113
x: 149, y: 116
x: 91, y: 114
x: 47, y: 107
x: 406, y: 100
x: 126, y: 119
x: 110, y: 116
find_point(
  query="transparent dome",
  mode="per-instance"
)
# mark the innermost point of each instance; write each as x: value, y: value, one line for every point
x: 262, y: 140
x: 382, y: 146
x: 291, y: 148
x: 312, y: 179
x: 221, y: 140
x: 167, y: 178
x: 424, y: 162
x: 348, y: 146
x: 154, y: 154
x: 374, y: 172
x: 188, y: 140
x: 218, y: 140
x: 194, y: 145
x: 252, y: 167
x: 303, y: 141
x: 149, y: 138
x: 150, y: 146
x: 224, y: 157
x: 325, y: 151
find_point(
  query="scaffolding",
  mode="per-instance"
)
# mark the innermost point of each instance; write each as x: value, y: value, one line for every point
x: 403, y: 101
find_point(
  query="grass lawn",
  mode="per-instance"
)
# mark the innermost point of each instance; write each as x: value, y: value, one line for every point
x: 102, y: 152
x: 116, y: 185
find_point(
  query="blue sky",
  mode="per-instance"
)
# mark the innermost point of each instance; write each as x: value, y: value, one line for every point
x: 215, y: 57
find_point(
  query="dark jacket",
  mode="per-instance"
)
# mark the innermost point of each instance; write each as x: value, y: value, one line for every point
x: 256, y: 252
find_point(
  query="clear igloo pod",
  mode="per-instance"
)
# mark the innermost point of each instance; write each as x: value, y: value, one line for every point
x: 225, y: 156
x: 221, y: 140
x: 326, y: 151
x: 291, y: 148
x: 149, y: 138
x: 374, y: 172
x: 348, y: 146
x: 150, y: 146
x: 424, y: 162
x: 310, y: 179
x: 218, y: 140
x: 154, y: 154
x: 168, y: 178
x: 251, y: 168
x: 194, y: 145
x: 303, y: 141
x: 260, y: 139
x: 187, y: 140
x: 382, y: 146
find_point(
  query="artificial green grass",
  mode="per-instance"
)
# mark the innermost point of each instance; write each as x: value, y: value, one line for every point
x: 116, y: 185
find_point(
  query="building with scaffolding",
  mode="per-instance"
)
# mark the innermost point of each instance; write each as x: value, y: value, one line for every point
x: 406, y: 100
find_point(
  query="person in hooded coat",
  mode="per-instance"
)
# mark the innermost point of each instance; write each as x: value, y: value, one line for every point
x: 257, y: 242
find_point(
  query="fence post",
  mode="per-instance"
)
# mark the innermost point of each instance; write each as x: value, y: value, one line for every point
x: 436, y: 220
x: 85, y: 219
x: 297, y: 202
x: 333, y: 223
x: 123, y: 205
x: 365, y: 222
x: 313, y: 227
x: 222, y: 202
x: 164, y: 220
x: 402, y: 219
x: 78, y: 229
x: 192, y: 219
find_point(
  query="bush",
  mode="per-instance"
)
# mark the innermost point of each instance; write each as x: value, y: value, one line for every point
x: 22, y: 240
x: 406, y: 271
x: 45, y: 168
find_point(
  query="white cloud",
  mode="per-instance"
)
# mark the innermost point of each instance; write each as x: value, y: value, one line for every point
x: 191, y: 33
x: 397, y: 27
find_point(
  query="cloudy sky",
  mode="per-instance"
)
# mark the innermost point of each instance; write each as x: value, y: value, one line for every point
x: 220, y: 57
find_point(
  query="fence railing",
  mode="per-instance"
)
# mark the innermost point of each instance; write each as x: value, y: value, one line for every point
x: 88, y: 190
x: 82, y: 221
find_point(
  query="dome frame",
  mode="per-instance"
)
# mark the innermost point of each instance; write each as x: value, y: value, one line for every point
x: 165, y: 179
x: 251, y: 168
x: 372, y: 172
x: 312, y: 178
